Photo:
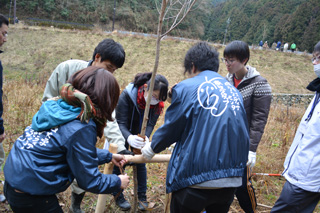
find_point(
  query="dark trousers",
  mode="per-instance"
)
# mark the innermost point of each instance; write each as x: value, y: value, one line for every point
x: 295, y: 199
x: 245, y: 193
x: 191, y: 200
x: 142, y: 180
x: 26, y: 203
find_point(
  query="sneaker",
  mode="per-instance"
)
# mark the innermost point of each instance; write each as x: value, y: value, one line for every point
x: 142, y: 205
x: 123, y: 204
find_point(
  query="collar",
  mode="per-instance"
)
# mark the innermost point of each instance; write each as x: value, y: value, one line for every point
x: 314, y: 85
x: 90, y: 63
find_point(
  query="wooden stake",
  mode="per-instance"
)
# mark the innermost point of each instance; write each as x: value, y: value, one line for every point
x: 108, y: 168
x: 156, y: 159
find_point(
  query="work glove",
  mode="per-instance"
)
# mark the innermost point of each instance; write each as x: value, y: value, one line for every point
x: 251, y: 159
x: 135, y: 141
x: 147, y: 151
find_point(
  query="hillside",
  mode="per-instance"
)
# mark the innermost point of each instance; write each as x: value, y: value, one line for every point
x: 250, y: 20
x: 32, y: 53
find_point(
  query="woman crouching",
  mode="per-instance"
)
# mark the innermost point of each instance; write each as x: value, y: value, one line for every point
x: 60, y: 145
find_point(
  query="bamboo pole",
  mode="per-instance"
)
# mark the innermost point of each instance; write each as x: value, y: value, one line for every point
x: 108, y: 168
x: 156, y: 159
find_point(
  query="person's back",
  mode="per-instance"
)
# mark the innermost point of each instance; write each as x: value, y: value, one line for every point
x: 208, y: 122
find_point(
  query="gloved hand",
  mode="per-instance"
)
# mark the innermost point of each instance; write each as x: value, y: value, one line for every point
x: 147, y: 151
x: 135, y: 141
x: 251, y: 159
x: 125, y: 152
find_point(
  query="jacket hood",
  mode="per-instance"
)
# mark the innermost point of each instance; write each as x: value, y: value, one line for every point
x: 54, y: 113
x: 133, y: 93
x: 252, y: 72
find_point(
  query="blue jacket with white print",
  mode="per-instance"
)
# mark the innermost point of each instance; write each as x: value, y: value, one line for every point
x: 208, y: 122
x: 45, y: 162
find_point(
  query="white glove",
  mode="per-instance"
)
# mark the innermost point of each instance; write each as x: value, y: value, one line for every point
x: 135, y: 141
x: 251, y: 159
x: 147, y: 151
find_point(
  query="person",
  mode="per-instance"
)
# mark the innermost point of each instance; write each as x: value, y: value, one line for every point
x: 274, y: 46
x: 293, y: 47
x: 256, y: 93
x: 265, y: 45
x: 59, y: 145
x: 260, y: 45
x: 207, y: 120
x: 129, y: 114
x: 109, y: 55
x: 4, y: 26
x: 285, y: 47
x: 301, y: 167
x: 278, y: 46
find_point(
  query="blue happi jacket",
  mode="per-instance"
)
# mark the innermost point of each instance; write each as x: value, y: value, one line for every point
x: 54, y: 150
x: 208, y: 122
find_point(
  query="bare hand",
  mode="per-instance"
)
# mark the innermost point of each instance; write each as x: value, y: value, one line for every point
x: 2, y: 137
x: 124, y: 181
x: 118, y: 160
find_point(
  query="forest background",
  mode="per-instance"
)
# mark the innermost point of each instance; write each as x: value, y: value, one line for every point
x: 289, y: 21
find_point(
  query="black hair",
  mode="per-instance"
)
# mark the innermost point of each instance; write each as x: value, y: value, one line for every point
x: 160, y: 83
x: 237, y: 49
x: 110, y: 50
x: 317, y: 48
x: 203, y: 57
x: 3, y: 20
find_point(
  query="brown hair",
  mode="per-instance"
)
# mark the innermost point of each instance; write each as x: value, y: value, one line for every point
x: 100, y: 85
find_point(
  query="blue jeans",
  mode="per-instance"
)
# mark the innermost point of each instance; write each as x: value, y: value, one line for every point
x: 25, y: 203
x: 142, y: 180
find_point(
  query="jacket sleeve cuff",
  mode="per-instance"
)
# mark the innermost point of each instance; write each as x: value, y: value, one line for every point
x: 104, y: 156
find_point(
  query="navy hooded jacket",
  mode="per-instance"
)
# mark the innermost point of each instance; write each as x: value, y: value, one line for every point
x: 45, y: 162
x: 208, y: 122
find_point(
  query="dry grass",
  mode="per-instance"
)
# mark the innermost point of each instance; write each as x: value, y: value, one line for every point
x: 32, y: 53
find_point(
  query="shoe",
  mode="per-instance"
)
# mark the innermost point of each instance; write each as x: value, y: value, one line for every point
x: 144, y: 206
x: 76, y: 200
x: 123, y: 204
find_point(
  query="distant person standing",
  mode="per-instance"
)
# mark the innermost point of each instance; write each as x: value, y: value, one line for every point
x: 278, y: 46
x: 274, y: 46
x: 293, y: 47
x: 301, y: 167
x: 4, y: 23
x: 260, y: 45
x: 265, y: 45
x: 256, y: 93
x: 285, y: 47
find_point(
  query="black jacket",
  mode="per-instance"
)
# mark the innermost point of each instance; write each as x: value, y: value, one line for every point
x: 128, y: 115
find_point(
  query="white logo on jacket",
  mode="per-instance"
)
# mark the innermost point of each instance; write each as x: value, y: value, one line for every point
x: 32, y: 138
x: 212, y: 92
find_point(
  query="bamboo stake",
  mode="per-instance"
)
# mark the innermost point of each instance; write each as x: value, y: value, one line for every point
x: 108, y: 168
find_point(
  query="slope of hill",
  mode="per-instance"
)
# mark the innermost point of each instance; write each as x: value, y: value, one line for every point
x: 251, y: 20
x: 33, y: 53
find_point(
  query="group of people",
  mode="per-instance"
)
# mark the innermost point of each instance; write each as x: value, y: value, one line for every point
x: 278, y: 46
x: 215, y: 122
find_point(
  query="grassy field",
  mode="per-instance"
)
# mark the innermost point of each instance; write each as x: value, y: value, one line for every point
x: 31, y: 54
